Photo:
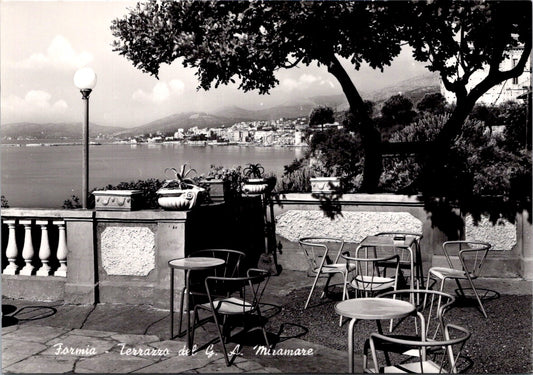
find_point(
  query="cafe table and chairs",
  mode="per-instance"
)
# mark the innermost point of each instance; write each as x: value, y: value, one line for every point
x: 371, y: 309
x: 396, y: 244
x: 406, y: 254
x: 188, y: 264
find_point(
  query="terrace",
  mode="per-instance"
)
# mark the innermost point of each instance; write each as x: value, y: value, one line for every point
x: 109, y: 269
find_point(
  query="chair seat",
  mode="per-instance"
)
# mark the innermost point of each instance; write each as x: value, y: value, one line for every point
x: 372, y: 283
x: 443, y: 272
x: 335, y: 268
x: 425, y: 367
x: 230, y: 305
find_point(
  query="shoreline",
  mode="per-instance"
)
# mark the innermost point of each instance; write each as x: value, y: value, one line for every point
x: 93, y: 143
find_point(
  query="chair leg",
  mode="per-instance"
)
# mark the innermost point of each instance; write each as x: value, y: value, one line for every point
x: 477, y: 297
x: 312, y: 290
x: 344, y: 292
x: 181, y: 310
x: 221, y: 337
x: 195, y: 316
x: 325, y: 290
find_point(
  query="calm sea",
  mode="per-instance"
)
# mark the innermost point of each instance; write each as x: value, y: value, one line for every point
x: 46, y: 176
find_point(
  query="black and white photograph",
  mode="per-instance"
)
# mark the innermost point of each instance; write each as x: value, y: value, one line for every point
x: 263, y: 186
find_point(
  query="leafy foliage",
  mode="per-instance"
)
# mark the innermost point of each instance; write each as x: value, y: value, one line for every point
x: 434, y: 103
x: 295, y: 178
x: 248, y: 42
x: 398, y: 109
x: 254, y: 170
x: 321, y: 115
x: 481, y: 174
x: 517, y: 118
x: 5, y: 203
x: 336, y: 152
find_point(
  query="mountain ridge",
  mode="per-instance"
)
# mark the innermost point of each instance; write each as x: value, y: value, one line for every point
x: 414, y: 88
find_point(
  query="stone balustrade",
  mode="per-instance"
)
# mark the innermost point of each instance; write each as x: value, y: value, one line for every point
x: 45, y: 261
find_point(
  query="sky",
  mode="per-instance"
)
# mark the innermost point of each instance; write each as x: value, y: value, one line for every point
x: 43, y: 44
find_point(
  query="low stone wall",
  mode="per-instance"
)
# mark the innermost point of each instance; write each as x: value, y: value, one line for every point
x: 300, y: 215
x: 122, y: 257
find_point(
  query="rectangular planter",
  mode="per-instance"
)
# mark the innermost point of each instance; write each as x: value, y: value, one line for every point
x: 216, y: 189
x: 117, y: 200
x: 325, y: 184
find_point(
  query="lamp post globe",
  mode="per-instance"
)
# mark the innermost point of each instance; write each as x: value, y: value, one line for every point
x: 85, y: 80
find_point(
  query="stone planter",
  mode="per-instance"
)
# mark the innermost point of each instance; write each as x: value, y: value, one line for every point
x: 117, y: 200
x: 255, y: 186
x: 179, y: 199
x: 325, y: 184
x: 216, y: 189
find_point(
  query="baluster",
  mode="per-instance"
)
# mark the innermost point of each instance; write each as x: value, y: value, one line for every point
x: 27, y: 250
x: 62, y: 250
x: 12, y: 250
x: 44, y: 249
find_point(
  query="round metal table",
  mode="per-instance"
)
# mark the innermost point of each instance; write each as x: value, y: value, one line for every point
x: 371, y: 309
x: 188, y: 265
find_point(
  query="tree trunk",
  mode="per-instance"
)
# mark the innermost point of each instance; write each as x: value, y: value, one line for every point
x: 370, y: 136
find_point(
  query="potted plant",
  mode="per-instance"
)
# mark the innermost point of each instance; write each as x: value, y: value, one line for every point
x: 179, y: 192
x: 254, y: 182
x: 323, y: 181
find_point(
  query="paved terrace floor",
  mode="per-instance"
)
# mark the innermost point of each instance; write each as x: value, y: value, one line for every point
x: 40, y: 337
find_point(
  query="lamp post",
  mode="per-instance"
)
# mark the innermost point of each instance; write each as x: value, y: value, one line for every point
x: 85, y: 80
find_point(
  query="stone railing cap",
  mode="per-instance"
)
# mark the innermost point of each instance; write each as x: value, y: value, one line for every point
x: 117, y: 192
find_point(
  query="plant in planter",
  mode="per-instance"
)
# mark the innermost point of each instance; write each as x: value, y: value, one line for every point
x: 254, y: 181
x: 222, y: 183
x: 180, y: 192
x: 324, y: 179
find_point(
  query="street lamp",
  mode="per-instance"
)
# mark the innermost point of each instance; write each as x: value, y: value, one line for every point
x: 85, y: 80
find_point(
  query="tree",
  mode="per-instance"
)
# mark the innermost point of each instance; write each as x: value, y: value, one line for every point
x: 434, y: 103
x: 249, y: 41
x: 321, y: 115
x: 398, y: 110
x: 460, y: 40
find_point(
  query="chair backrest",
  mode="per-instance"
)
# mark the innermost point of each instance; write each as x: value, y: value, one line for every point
x: 370, y: 270
x: 321, y: 250
x: 471, y: 255
x: 234, y: 260
x: 233, y: 267
x: 430, y: 316
x: 248, y: 291
x: 444, y: 357
x: 403, y: 252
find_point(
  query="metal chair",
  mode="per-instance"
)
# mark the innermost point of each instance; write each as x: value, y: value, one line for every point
x: 471, y: 256
x: 318, y: 253
x: 407, y: 256
x: 428, y: 321
x: 444, y: 359
x: 233, y: 261
x: 242, y: 300
x: 369, y: 276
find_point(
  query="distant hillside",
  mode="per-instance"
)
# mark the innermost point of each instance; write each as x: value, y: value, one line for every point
x: 414, y: 88
x: 53, y: 130
x: 180, y: 120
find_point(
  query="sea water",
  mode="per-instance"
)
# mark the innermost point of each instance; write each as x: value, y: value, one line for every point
x: 44, y: 176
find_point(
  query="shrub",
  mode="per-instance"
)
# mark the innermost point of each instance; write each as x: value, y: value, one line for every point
x: 5, y: 203
x: 295, y: 178
x: 483, y: 175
